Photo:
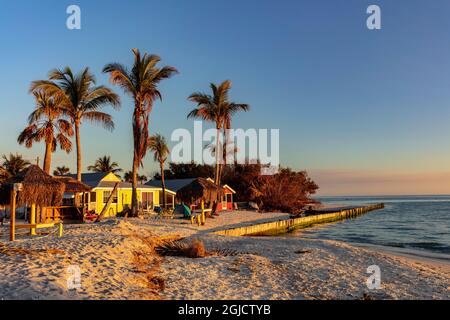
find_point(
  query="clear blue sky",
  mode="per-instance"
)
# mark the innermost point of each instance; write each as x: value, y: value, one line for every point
x: 355, y: 107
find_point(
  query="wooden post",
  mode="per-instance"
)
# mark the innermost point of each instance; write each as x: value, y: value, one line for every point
x: 12, y: 224
x: 60, y: 229
x: 33, y: 219
x: 203, y: 213
x: 203, y: 219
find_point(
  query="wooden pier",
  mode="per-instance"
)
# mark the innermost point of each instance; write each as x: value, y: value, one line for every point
x: 288, y: 225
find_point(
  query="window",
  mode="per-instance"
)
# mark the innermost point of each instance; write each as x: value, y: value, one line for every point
x: 107, y: 194
x: 93, y: 196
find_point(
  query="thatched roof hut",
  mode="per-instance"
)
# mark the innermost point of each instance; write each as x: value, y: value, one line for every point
x: 38, y: 188
x: 199, y: 189
x: 73, y: 185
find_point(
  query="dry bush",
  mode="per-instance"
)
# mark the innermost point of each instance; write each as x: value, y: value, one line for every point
x: 194, y: 249
x: 178, y: 248
x: 286, y: 191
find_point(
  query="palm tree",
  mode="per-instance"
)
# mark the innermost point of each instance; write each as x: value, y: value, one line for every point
x: 142, y: 178
x: 45, y: 123
x: 218, y: 109
x: 128, y: 177
x: 61, y: 171
x: 141, y: 82
x: 104, y: 164
x: 161, y: 151
x: 81, y: 100
x: 12, y: 165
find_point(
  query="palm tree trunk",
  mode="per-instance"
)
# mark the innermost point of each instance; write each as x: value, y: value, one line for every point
x: 217, y: 178
x: 78, y: 146
x: 48, y: 157
x: 136, y: 156
x: 163, y: 184
x: 134, y: 201
x: 224, y: 154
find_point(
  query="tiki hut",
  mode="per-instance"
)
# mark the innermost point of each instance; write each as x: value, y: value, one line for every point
x: 199, y: 190
x: 72, y: 209
x: 38, y: 188
x: 73, y: 185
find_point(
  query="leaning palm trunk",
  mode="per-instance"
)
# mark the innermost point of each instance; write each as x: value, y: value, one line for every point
x: 48, y: 157
x: 163, y: 183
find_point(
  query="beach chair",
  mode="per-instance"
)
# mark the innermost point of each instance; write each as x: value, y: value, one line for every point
x: 184, y: 210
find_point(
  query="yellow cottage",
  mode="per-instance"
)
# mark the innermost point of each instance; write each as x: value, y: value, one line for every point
x: 102, y: 185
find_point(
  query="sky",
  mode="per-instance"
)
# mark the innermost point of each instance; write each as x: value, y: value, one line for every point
x: 365, y: 112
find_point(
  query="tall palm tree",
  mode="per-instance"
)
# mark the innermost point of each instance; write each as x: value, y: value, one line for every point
x: 217, y: 108
x: 141, y: 82
x: 81, y: 100
x: 231, y: 110
x: 61, y: 171
x: 161, y: 151
x: 12, y: 165
x: 46, y: 123
x: 104, y: 164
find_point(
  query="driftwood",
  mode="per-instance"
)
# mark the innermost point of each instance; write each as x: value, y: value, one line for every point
x: 108, y: 204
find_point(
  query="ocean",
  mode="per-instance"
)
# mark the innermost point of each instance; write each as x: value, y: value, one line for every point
x: 414, y: 225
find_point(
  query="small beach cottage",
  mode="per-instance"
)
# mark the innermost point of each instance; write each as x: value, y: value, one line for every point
x: 227, y: 197
x: 103, y: 184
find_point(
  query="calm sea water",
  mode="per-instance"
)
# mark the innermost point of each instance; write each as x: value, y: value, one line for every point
x: 418, y: 225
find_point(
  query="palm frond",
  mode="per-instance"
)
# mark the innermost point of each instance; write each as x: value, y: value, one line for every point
x: 119, y: 75
x: 101, y: 118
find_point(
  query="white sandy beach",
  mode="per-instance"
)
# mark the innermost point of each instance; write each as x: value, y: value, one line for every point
x: 115, y: 260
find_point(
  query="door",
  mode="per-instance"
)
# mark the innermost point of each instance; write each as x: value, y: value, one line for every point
x: 147, y: 201
x: 224, y: 202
